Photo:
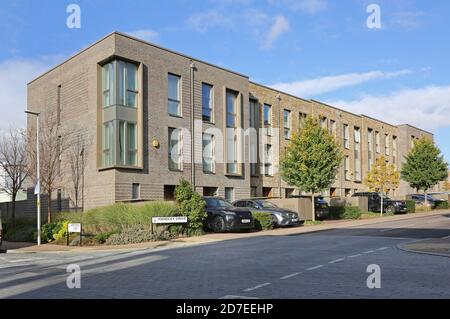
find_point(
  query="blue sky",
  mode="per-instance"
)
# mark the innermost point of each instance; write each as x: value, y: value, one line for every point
x: 319, y: 49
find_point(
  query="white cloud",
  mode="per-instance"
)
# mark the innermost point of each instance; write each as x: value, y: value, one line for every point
x: 279, y: 27
x: 304, y: 6
x: 427, y: 107
x: 202, y: 21
x: 309, y: 88
x: 145, y: 34
x: 14, y: 76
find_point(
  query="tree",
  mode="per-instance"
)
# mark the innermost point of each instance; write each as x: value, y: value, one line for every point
x: 190, y: 204
x: 382, y: 176
x: 53, y: 143
x: 312, y: 159
x: 77, y: 162
x: 13, y: 163
x: 424, y: 166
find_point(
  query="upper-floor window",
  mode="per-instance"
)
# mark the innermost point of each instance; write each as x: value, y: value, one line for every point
x: 119, y: 84
x: 207, y: 102
x: 287, y: 124
x: 175, y: 149
x: 268, y: 119
x: 174, y: 95
x: 108, y: 143
x: 301, y: 120
x: 268, y: 160
x: 347, y: 168
x: 394, y: 150
x: 324, y: 122
x: 370, y: 148
x: 387, y: 149
x: 208, y: 153
x: 377, y: 142
x: 333, y: 128
x: 346, y: 136
x: 232, y: 109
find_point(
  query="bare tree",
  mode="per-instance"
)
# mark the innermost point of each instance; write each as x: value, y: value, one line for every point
x: 77, y: 162
x: 53, y: 142
x: 13, y: 163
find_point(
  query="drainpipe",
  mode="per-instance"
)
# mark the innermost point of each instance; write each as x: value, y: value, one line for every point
x: 192, y: 69
x: 280, y: 131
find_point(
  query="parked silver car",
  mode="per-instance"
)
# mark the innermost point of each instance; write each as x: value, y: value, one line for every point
x: 280, y: 217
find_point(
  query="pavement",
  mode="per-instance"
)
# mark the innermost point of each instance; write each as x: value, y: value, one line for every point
x: 333, y: 262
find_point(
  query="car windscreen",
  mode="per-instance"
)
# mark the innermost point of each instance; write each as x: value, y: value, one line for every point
x: 217, y: 203
x: 265, y: 204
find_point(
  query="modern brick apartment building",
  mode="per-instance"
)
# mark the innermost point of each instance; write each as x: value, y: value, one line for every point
x: 136, y: 104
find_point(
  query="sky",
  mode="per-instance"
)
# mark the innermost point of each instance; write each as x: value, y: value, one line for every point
x: 394, y: 67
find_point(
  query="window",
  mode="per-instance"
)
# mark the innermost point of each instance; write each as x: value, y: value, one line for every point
x: 253, y: 191
x: 370, y: 148
x: 229, y: 194
x: 268, y: 157
x: 324, y: 122
x: 268, y: 119
x: 207, y: 102
x: 254, y: 118
x: 346, y: 136
x: 121, y: 77
x: 136, y: 191
x: 413, y: 139
x: 127, y: 143
x: 108, y: 143
x: 301, y: 120
x: 231, y: 125
x: 287, y: 124
x: 357, y: 137
x: 208, y: 153
x: 174, y: 101
x: 347, y: 168
x: 377, y: 142
x: 108, y: 84
x: 175, y: 148
x: 394, y: 151
x: 333, y: 128
x: 387, y: 149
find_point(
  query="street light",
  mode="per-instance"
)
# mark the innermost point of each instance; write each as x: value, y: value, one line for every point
x: 38, y: 182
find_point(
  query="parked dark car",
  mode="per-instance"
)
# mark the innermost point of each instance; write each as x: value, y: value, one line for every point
x: 320, y: 205
x: 222, y: 216
x: 389, y: 205
x: 280, y: 217
x: 432, y: 202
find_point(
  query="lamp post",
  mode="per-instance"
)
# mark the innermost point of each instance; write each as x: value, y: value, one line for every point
x: 38, y: 182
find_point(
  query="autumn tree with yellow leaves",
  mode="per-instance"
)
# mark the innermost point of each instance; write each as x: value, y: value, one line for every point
x: 382, y: 177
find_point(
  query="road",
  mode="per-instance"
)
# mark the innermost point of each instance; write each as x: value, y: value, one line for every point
x: 325, y: 264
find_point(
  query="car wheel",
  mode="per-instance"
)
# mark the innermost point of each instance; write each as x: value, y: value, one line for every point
x: 218, y: 224
x: 274, y: 221
x: 390, y: 210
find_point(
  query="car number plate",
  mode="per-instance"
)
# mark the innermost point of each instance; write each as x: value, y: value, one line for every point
x: 246, y: 221
x: 294, y: 220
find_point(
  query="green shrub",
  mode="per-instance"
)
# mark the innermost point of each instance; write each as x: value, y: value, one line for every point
x: 442, y: 205
x: 190, y: 204
x: 263, y: 221
x: 411, y: 206
x: 336, y: 212
x: 48, y: 230
x: 101, y: 238
x: 137, y: 234
x: 60, y: 230
x: 352, y: 212
x: 25, y: 230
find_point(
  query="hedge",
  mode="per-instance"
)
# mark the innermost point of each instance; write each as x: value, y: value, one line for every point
x: 263, y: 221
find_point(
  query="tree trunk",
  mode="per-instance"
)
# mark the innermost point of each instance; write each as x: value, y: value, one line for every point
x: 13, y: 210
x: 49, y: 208
x: 313, y: 208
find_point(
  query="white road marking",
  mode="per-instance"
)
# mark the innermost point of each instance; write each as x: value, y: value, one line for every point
x: 237, y: 297
x: 313, y: 268
x: 336, y: 261
x: 24, y: 260
x: 446, y: 237
x: 383, y: 248
x: 290, y: 276
x: 354, y: 256
x: 257, y: 287
x: 369, y: 252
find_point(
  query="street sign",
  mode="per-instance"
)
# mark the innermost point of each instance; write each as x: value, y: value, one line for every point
x: 170, y: 220
x: 74, y: 228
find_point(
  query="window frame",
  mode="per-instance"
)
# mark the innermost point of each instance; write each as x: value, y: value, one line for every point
x: 287, y: 128
x: 211, y: 103
x: 179, y: 92
x: 179, y: 154
x: 213, y: 161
